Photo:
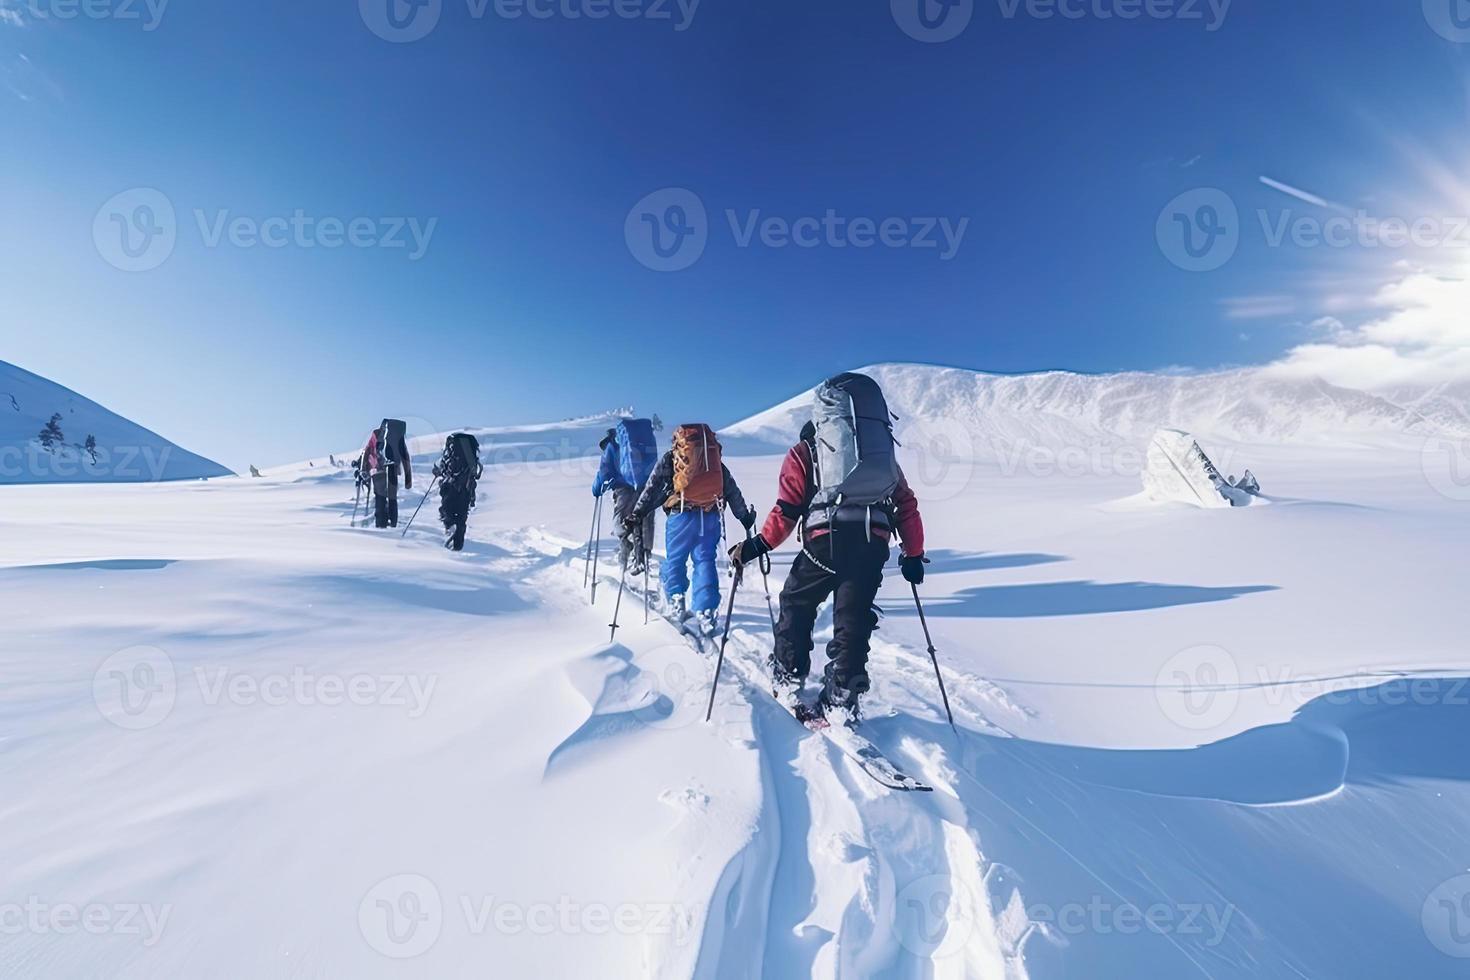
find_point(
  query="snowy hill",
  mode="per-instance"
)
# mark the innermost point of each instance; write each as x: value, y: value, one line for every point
x: 87, y: 443
x: 1060, y: 408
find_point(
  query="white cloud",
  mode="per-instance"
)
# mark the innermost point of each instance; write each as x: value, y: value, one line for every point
x: 10, y: 13
x: 1422, y: 337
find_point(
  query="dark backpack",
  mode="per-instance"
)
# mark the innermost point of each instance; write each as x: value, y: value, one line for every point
x: 637, y: 451
x: 461, y: 464
x: 392, y: 437
x: 853, y: 460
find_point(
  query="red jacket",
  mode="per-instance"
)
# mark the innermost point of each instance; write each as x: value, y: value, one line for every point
x: 794, y: 496
x: 373, y: 462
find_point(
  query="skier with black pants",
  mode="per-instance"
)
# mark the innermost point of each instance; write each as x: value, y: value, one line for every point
x: 459, y: 471
x: 385, y: 453
x: 843, y: 486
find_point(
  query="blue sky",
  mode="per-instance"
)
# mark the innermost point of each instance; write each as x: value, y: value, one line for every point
x: 516, y: 150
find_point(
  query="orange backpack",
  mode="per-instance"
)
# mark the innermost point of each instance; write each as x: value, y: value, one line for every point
x: 699, y: 475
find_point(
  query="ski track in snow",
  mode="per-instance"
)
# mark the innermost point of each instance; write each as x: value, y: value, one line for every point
x: 843, y: 877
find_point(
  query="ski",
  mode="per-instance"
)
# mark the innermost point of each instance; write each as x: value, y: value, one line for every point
x: 863, y: 753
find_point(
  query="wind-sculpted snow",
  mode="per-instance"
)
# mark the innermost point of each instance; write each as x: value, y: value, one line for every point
x: 50, y: 434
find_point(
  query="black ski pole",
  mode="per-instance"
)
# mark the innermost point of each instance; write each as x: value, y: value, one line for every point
x: 720, y: 663
x: 765, y: 566
x: 643, y: 557
x: 933, y: 657
x: 617, y: 607
x: 419, y: 508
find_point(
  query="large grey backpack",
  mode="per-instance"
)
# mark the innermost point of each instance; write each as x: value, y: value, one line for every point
x: 853, y: 463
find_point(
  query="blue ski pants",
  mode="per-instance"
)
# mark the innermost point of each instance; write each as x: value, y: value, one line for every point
x: 692, y: 534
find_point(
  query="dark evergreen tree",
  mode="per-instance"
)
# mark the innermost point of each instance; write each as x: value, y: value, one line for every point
x: 51, y: 436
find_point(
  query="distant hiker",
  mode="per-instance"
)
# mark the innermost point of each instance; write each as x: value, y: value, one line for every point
x: 459, y: 471
x: 693, y: 485
x: 384, y: 455
x: 842, y: 484
x: 629, y: 454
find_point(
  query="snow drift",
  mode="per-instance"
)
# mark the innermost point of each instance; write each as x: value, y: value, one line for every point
x: 51, y: 434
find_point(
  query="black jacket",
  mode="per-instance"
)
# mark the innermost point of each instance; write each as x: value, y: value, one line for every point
x: 661, y: 487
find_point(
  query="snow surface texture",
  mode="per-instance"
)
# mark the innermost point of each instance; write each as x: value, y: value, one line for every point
x: 239, y: 737
x: 120, y: 451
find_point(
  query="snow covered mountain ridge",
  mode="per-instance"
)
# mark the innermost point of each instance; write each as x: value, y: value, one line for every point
x: 1252, y: 406
x: 51, y: 434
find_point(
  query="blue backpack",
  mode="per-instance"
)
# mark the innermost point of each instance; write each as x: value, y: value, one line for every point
x: 637, y: 451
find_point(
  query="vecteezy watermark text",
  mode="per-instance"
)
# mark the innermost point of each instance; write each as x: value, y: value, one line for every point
x: 669, y: 230
x: 1201, y: 230
x: 149, y: 13
x: 41, y: 918
x: 138, y: 230
x: 406, y: 21
x: 137, y: 688
x: 938, y: 21
x: 404, y: 915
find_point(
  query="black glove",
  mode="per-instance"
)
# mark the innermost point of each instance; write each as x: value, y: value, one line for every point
x: 436, y: 470
x: 912, y: 567
x: 747, y: 520
x: 631, y: 524
x: 748, y: 551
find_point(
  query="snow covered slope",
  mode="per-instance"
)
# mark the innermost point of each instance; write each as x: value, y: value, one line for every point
x: 993, y: 413
x: 89, y: 444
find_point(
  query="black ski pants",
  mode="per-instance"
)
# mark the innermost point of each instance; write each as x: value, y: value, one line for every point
x: 454, y: 512
x: 385, y: 498
x: 852, y: 577
x: 624, y: 500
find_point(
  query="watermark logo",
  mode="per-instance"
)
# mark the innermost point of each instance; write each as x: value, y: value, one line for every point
x: 1449, y: 18
x: 136, y: 231
x: 939, y: 456
x: 135, y: 688
x: 401, y: 21
x: 1446, y: 917
x: 933, y: 21
x: 1199, y: 231
x: 1211, y: 13
x: 1446, y: 465
x: 935, y: 916
x: 148, y: 12
x: 401, y: 917
x: 675, y: 697
x: 668, y: 230
x: 1198, y: 689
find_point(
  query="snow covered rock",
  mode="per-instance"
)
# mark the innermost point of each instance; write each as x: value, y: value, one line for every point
x: 1179, y: 471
